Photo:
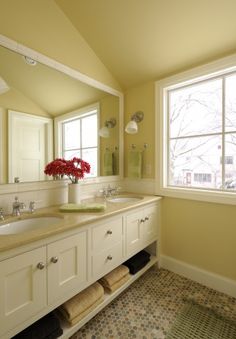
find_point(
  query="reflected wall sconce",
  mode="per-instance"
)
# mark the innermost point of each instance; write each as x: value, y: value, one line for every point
x: 3, y: 86
x: 104, y: 131
x: 132, y: 126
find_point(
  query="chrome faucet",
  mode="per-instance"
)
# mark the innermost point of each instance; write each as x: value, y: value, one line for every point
x: 17, y: 206
x: 107, y: 192
x: 1, y: 214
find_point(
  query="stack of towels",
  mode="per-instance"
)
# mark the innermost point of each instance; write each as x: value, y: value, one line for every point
x: 47, y: 327
x: 79, y: 306
x: 115, y: 279
x: 137, y: 262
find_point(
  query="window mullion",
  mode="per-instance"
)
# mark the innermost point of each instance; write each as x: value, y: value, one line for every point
x: 167, y: 155
x: 223, y: 133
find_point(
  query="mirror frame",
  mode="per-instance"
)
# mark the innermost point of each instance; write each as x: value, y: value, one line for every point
x: 26, y: 51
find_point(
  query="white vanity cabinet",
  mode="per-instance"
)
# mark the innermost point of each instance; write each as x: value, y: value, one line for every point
x: 141, y: 227
x: 31, y: 281
x: 38, y: 277
x: 107, y: 245
x: 23, y: 289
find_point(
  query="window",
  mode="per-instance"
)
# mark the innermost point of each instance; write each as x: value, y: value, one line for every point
x: 202, y: 130
x: 77, y: 136
x: 197, y: 115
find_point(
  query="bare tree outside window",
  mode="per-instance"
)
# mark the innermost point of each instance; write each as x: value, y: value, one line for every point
x: 202, y: 132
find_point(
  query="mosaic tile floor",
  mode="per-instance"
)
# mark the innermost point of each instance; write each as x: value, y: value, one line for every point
x: 149, y: 306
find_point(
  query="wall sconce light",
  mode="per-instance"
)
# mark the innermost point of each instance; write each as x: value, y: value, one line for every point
x: 104, y: 131
x: 132, y: 126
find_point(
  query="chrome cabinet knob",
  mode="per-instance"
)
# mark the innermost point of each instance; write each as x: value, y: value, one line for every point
x: 54, y: 260
x: 109, y: 232
x: 40, y: 265
x: 109, y: 257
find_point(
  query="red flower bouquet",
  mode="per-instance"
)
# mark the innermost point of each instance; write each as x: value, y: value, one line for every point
x: 74, y: 169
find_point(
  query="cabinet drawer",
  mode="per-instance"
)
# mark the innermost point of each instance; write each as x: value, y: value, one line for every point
x: 106, y: 260
x: 107, y: 234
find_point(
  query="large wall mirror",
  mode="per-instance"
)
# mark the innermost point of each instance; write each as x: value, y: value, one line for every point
x: 46, y: 113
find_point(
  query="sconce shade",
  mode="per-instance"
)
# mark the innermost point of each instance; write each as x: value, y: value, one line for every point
x: 3, y: 86
x: 131, y: 127
x: 104, y: 132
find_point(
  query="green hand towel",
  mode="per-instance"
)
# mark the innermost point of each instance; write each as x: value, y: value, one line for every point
x: 90, y: 207
x: 135, y: 164
x: 108, y: 163
x: 116, y: 162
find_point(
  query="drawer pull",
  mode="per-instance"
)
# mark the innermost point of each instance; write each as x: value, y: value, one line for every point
x: 146, y: 218
x: 109, y: 257
x: 142, y: 220
x: 109, y: 231
x: 40, y: 265
x: 54, y: 260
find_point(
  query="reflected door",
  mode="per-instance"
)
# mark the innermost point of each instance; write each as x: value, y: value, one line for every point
x: 27, y: 148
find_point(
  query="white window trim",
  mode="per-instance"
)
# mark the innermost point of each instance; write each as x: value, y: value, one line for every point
x: 204, y: 72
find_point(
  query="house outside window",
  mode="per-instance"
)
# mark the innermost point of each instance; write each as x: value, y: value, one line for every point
x: 197, y: 116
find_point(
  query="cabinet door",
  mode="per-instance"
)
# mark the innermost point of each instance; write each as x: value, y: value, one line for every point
x: 22, y: 288
x: 149, y: 226
x: 133, y: 232
x: 67, y: 265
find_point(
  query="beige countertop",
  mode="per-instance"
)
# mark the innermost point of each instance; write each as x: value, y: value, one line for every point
x: 68, y: 221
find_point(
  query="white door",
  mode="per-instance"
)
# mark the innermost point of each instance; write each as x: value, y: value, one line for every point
x: 22, y: 288
x: 150, y: 227
x: 133, y: 231
x: 27, y: 147
x: 67, y: 266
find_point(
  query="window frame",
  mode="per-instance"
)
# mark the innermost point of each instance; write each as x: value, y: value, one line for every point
x: 74, y: 115
x: 195, y: 75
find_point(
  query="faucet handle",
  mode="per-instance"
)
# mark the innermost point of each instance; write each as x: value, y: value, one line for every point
x: 32, y: 206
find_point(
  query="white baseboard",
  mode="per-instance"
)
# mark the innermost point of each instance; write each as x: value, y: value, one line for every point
x: 209, y: 279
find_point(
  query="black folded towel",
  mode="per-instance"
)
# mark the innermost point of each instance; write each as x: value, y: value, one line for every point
x: 55, y: 334
x: 47, y: 327
x: 138, y: 261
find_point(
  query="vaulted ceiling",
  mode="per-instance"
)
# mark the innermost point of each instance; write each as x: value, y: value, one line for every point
x: 143, y: 40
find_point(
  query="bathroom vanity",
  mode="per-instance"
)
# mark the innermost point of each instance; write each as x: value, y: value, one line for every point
x: 54, y: 262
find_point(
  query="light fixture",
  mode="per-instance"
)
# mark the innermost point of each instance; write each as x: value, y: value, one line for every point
x: 3, y: 86
x: 132, y: 126
x: 104, y: 131
x: 30, y: 61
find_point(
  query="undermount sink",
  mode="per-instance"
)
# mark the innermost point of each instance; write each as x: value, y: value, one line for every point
x: 124, y: 199
x: 24, y: 225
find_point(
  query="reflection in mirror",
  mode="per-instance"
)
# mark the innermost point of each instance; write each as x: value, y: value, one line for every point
x: 30, y: 92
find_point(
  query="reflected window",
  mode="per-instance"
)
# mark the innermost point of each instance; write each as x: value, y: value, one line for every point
x: 78, y: 136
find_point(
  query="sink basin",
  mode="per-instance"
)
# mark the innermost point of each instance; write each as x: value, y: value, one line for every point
x: 24, y: 225
x: 124, y: 199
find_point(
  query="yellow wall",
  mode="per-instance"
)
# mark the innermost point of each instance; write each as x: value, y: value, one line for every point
x: 198, y: 233
x: 141, y: 99
x: 41, y: 25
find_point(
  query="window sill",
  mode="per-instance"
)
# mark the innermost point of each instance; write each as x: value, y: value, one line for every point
x: 228, y: 198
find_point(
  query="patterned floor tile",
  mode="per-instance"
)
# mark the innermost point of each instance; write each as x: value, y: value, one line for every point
x: 149, y: 306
